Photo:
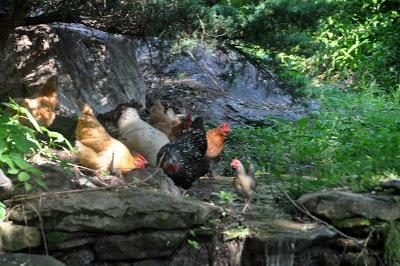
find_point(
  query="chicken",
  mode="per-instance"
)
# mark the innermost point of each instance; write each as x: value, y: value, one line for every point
x: 140, y: 136
x: 244, y: 183
x: 184, y: 160
x: 215, y: 140
x: 43, y: 105
x: 97, y: 150
x: 178, y: 126
x: 159, y: 119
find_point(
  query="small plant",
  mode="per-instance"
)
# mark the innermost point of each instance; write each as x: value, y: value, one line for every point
x: 18, y: 141
x: 240, y: 232
x: 225, y: 196
x: 193, y: 243
x: 392, y: 244
x: 3, y: 211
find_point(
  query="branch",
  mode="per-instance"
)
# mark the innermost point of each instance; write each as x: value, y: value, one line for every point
x: 307, y: 212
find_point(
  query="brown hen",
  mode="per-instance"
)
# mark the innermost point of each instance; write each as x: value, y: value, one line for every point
x: 97, y: 150
x: 43, y: 105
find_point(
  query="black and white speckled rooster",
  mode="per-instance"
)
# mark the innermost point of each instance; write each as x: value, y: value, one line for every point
x: 184, y: 160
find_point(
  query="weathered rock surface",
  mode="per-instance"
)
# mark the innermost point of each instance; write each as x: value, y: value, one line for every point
x: 16, y: 237
x: 393, y: 184
x: 158, y: 180
x: 141, y: 245
x: 338, y: 205
x: 282, y: 242
x: 92, y: 66
x: 79, y: 257
x: 117, y: 211
x: 189, y: 255
x: 12, y: 259
x: 219, y: 83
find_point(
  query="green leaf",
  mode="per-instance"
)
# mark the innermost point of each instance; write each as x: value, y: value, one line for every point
x: 3, y: 211
x: 27, y: 186
x: 41, y: 183
x: 35, y: 171
x: 13, y: 171
x: 302, y: 122
x: 19, y: 161
x: 193, y: 243
x: 23, y: 176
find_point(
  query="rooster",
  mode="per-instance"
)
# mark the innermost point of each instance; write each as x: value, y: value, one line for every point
x: 97, y: 150
x: 215, y: 140
x: 140, y: 136
x: 244, y: 183
x: 184, y: 160
x: 159, y: 119
x: 43, y: 105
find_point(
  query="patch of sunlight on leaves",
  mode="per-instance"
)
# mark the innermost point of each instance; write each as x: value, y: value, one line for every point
x: 193, y: 243
x: 3, y: 211
x: 240, y: 232
x: 19, y: 142
x: 225, y: 196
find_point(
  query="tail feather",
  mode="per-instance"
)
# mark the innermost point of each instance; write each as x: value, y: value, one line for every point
x: 251, y: 170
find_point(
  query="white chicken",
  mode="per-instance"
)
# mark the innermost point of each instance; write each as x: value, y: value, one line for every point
x: 140, y: 136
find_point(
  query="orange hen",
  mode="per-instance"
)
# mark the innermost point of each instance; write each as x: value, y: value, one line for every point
x: 43, y: 105
x: 97, y: 150
x: 216, y: 139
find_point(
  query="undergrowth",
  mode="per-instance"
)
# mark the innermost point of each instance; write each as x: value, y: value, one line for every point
x: 18, y: 143
x: 351, y: 141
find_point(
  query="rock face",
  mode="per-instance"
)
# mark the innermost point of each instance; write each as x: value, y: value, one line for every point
x: 17, y: 237
x: 159, y: 180
x: 220, y: 83
x: 339, y: 205
x: 118, y: 211
x: 12, y: 259
x: 92, y: 66
x: 134, y: 226
x: 142, y: 245
x: 284, y: 243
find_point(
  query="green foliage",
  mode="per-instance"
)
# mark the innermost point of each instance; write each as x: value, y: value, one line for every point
x: 18, y: 141
x: 392, y: 245
x: 240, y: 232
x: 193, y: 243
x: 352, y: 41
x: 3, y: 211
x: 225, y: 196
x: 351, y: 141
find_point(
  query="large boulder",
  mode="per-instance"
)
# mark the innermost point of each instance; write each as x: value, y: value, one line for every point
x: 116, y: 211
x: 218, y: 82
x: 339, y: 205
x: 92, y: 66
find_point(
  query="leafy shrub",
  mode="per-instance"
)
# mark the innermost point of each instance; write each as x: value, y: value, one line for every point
x: 351, y: 141
x: 18, y: 141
